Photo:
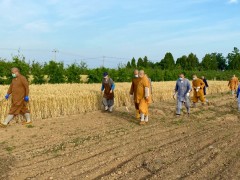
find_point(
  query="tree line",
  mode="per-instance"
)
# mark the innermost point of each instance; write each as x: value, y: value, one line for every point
x: 213, y: 66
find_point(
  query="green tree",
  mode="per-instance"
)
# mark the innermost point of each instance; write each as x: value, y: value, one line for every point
x: 38, y: 73
x: 133, y: 63
x: 182, y: 62
x: 209, y: 62
x: 73, y: 73
x: 234, y: 59
x: 145, y: 62
x: 192, y: 62
x: 167, y: 62
x: 128, y: 65
x: 55, y: 72
x: 221, y: 61
x: 140, y: 63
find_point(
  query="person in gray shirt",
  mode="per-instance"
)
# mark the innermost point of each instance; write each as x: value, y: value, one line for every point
x: 182, y: 91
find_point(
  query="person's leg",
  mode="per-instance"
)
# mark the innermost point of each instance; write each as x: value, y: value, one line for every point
x: 195, y: 100
x: 8, y: 119
x: 143, y: 110
x: 187, y: 105
x: 137, y: 110
x: 105, y: 103
x: 146, y: 114
x: 28, y: 118
x: 111, y: 104
x: 179, y: 107
x: 202, y: 99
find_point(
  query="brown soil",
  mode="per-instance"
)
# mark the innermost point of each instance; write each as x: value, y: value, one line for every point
x: 101, y: 145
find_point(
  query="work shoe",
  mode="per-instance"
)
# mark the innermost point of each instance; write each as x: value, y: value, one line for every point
x: 142, y: 123
x: 26, y: 123
x: 3, y: 125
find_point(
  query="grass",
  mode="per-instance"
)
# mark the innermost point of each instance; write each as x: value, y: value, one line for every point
x: 30, y: 126
x: 10, y: 148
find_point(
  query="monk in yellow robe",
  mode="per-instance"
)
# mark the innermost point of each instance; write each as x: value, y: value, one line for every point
x: 133, y: 92
x: 19, y: 90
x: 233, y: 84
x: 143, y: 97
x: 198, y: 90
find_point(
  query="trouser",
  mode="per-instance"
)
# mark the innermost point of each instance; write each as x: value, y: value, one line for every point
x: 179, y: 106
x: 205, y: 91
x: 108, y: 102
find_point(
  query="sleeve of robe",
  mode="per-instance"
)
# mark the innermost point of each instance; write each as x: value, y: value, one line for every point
x: 238, y: 91
x: 146, y: 85
x: 188, y: 86
x: 10, y: 89
x: 132, y: 88
x: 202, y: 84
x: 112, y: 84
x: 26, y: 86
x: 176, y: 87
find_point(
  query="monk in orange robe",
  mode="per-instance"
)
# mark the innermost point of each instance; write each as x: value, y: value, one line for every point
x: 233, y: 84
x: 143, y: 97
x: 19, y: 90
x: 198, y: 90
x: 133, y: 92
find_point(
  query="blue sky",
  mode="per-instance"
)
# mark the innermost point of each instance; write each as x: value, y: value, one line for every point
x: 89, y: 30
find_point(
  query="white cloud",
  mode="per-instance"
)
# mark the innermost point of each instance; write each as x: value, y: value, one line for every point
x: 233, y: 1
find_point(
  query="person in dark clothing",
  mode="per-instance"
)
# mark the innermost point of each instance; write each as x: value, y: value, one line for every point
x: 206, y: 85
x: 107, y: 89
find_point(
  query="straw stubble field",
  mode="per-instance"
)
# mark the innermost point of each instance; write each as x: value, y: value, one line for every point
x: 49, y: 101
x: 97, y: 145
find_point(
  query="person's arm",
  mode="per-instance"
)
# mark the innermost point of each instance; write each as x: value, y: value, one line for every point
x: 202, y: 84
x: 146, y: 85
x: 188, y: 90
x: 26, y: 85
x: 206, y: 83
x: 238, y: 91
x: 102, y: 88
x: 112, y: 84
x: 176, y: 87
x: 9, y: 89
x: 132, y: 89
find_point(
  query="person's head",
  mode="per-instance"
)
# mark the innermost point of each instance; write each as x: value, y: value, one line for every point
x: 136, y: 72
x: 141, y: 73
x: 105, y: 75
x: 194, y: 76
x: 203, y: 77
x: 181, y: 76
x: 234, y: 75
x: 15, y: 72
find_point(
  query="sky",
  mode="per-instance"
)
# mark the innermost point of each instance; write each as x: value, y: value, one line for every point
x: 111, y: 32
